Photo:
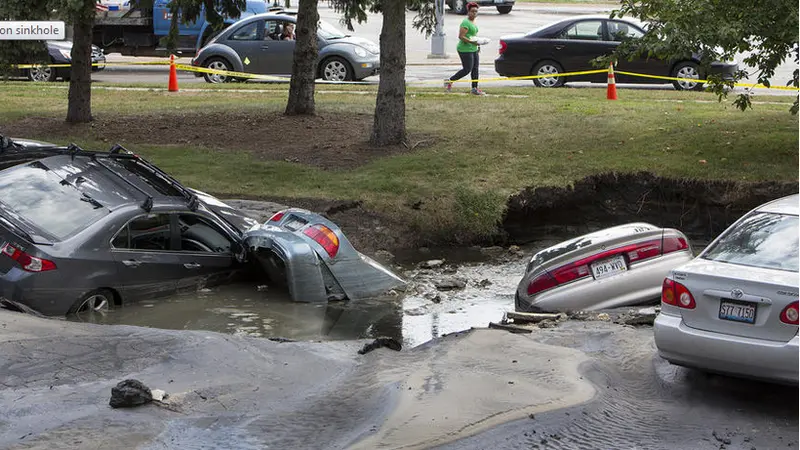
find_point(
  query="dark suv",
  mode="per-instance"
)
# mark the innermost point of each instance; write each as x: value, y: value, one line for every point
x: 86, y: 231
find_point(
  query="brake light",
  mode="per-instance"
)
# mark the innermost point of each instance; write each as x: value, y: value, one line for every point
x: 503, y: 47
x: 676, y: 294
x: 790, y: 314
x: 277, y: 216
x: 28, y: 262
x: 324, y: 237
x: 673, y: 244
x: 541, y: 283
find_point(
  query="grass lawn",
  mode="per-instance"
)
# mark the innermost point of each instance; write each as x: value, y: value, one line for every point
x: 473, y: 152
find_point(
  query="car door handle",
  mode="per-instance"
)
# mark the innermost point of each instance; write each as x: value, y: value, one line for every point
x: 131, y: 263
x: 192, y: 265
x: 264, y: 47
x: 559, y: 47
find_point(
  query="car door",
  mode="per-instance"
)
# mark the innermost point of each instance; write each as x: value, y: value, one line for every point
x: 620, y: 31
x: 206, y: 251
x: 276, y: 55
x: 142, y: 252
x: 578, y: 44
x: 246, y: 42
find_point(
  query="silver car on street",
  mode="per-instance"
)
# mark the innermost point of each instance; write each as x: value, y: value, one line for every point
x: 734, y: 308
x: 617, y: 266
x: 258, y: 45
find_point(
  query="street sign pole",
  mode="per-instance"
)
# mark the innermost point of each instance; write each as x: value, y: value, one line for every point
x: 437, y: 40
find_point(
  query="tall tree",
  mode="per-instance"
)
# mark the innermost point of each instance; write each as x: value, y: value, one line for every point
x: 765, y: 31
x: 304, y: 67
x: 389, y: 123
x: 80, y: 13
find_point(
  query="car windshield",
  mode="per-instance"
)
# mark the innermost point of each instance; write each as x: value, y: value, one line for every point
x: 764, y: 240
x: 48, y: 202
x: 327, y: 31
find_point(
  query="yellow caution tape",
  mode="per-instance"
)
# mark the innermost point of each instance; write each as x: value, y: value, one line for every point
x: 233, y: 74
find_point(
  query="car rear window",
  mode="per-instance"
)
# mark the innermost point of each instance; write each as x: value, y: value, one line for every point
x: 764, y: 240
x: 48, y: 202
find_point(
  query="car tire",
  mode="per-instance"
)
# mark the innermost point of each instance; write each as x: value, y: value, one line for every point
x: 336, y: 68
x: 687, y: 69
x: 504, y: 9
x: 217, y: 63
x: 548, y: 67
x: 98, y: 301
x: 460, y: 6
x: 42, y: 74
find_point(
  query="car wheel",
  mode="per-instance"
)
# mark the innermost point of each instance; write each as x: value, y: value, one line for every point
x: 687, y: 69
x: 42, y: 73
x: 548, y: 68
x: 99, y: 301
x: 504, y: 9
x: 460, y: 6
x: 217, y: 64
x: 336, y: 69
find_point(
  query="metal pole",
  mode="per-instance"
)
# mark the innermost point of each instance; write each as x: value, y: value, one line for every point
x: 437, y: 40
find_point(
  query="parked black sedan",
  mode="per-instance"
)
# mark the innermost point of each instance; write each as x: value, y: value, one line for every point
x: 570, y: 45
x: 60, y: 52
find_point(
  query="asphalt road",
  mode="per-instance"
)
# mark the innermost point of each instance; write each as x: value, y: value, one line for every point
x: 421, y: 69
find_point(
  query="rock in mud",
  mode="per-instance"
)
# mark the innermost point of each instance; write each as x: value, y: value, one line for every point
x: 450, y: 283
x: 130, y: 393
x: 387, y: 342
x: 431, y: 263
x: 484, y: 283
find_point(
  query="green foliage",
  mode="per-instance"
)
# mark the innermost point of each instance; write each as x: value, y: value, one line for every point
x: 22, y: 52
x: 357, y: 10
x: 765, y: 31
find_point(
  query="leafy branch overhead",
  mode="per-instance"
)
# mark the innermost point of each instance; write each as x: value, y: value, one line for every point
x: 765, y: 32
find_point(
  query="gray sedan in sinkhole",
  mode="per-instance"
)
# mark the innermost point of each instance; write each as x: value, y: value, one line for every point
x: 87, y: 231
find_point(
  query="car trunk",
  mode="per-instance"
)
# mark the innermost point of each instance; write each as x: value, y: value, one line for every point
x: 770, y: 291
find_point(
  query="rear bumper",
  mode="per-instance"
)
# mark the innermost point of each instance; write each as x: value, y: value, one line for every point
x: 508, y: 68
x: 42, y: 291
x: 733, y: 355
x: 727, y: 70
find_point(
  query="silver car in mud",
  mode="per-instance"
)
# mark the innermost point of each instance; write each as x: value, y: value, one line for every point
x: 734, y: 308
x: 617, y: 266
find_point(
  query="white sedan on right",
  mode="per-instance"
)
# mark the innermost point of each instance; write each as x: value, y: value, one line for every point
x: 734, y: 308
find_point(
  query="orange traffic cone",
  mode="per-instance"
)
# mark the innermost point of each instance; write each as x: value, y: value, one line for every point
x: 173, y: 75
x: 611, y: 92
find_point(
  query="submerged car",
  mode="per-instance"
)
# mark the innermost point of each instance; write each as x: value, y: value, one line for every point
x: 88, y: 231
x: 734, y: 308
x: 256, y: 45
x: 617, y: 266
x: 570, y: 45
x: 59, y: 52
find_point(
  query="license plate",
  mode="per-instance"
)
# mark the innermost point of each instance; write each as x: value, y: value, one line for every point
x: 737, y: 311
x: 609, y: 267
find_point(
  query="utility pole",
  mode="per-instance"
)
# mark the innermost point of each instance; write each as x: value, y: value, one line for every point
x: 437, y: 40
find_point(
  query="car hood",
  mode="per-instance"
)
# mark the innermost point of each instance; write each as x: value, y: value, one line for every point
x: 361, y: 42
x: 63, y: 45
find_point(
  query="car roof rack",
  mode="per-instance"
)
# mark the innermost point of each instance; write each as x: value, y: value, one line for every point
x: 118, y: 152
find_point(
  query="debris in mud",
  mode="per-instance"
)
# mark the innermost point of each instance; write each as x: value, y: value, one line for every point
x: 493, y: 252
x: 484, y: 283
x: 384, y: 257
x: 19, y: 307
x: 130, y: 393
x: 387, y: 342
x: 431, y: 264
x: 450, y: 283
x: 509, y: 328
x: 436, y: 298
x: 521, y: 317
x: 281, y: 340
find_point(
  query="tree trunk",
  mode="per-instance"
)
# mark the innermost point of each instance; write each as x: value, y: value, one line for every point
x: 304, y: 67
x: 79, y: 108
x: 389, y: 125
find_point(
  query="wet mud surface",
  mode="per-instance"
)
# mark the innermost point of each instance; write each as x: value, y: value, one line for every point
x: 643, y: 402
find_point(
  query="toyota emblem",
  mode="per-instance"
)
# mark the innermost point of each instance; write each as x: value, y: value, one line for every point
x: 737, y: 293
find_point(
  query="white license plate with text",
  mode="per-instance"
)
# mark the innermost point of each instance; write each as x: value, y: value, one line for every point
x: 609, y: 267
x: 737, y: 311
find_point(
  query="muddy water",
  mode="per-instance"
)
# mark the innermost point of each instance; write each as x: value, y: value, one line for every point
x: 414, y: 318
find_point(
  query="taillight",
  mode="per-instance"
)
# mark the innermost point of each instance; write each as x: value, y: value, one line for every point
x: 324, y: 237
x: 28, y: 262
x: 790, y: 314
x: 503, y: 47
x: 673, y: 244
x: 277, y: 216
x: 541, y: 283
x: 676, y: 294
